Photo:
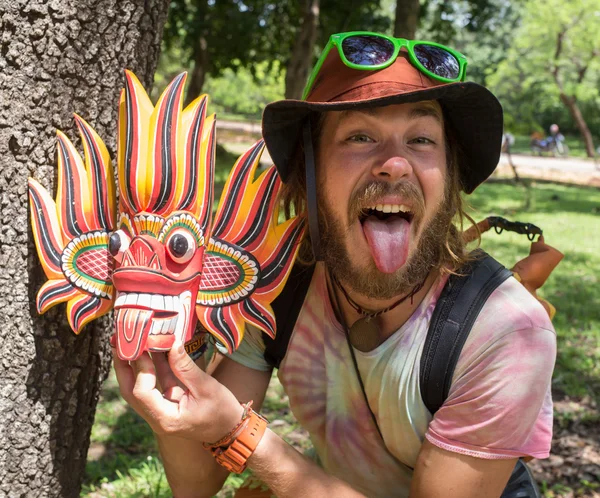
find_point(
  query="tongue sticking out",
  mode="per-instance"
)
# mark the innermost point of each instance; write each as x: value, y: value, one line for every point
x: 133, y: 327
x: 388, y: 240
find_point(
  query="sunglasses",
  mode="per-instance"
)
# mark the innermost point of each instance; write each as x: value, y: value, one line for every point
x: 372, y: 51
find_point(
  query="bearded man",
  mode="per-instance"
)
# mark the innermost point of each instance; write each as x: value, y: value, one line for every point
x: 376, y: 155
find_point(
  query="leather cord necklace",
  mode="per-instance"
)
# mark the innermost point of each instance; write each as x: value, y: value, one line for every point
x: 364, y: 333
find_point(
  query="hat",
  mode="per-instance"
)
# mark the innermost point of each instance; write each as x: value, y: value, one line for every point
x: 472, y: 111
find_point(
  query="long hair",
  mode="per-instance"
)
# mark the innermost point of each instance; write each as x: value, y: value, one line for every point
x: 453, y: 254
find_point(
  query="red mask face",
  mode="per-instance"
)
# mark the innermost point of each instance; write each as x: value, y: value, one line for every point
x: 167, y: 264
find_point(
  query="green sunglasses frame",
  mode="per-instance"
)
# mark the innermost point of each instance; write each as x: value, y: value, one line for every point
x: 399, y: 43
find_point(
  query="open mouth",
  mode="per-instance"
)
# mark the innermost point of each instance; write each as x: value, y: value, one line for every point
x: 150, y: 322
x: 387, y: 230
x: 384, y: 212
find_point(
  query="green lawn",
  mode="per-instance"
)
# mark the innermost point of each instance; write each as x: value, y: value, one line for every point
x: 123, y: 458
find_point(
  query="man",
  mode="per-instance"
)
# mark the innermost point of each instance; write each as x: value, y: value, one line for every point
x: 396, y: 135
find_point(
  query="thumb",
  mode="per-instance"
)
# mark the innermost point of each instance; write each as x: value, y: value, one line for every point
x: 186, y: 370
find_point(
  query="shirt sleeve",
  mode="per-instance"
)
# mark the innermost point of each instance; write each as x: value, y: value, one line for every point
x: 251, y: 351
x: 500, y: 404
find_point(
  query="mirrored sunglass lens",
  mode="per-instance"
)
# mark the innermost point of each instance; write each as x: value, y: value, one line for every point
x: 438, y: 61
x: 365, y: 50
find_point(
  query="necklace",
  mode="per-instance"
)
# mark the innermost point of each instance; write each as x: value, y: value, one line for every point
x: 364, y: 333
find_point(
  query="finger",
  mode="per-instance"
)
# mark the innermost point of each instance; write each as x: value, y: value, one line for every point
x: 184, y: 368
x: 172, y: 388
x: 146, y: 373
x: 125, y: 376
x: 146, y: 392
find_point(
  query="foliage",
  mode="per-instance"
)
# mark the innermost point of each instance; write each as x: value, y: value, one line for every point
x: 257, y: 30
x: 529, y: 70
x: 241, y: 94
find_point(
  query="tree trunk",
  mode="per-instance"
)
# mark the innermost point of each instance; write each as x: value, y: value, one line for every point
x: 571, y: 104
x: 56, y: 57
x: 407, y: 17
x: 299, y: 64
x: 199, y: 72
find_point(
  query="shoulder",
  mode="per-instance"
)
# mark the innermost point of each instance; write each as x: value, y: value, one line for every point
x: 251, y: 351
x: 511, y: 326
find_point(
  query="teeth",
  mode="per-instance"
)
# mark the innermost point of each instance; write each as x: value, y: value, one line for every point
x: 120, y: 299
x: 181, y: 305
x: 157, y: 302
x: 131, y: 299
x: 144, y: 300
x: 391, y: 208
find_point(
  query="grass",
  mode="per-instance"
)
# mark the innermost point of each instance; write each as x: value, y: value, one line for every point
x: 123, y: 459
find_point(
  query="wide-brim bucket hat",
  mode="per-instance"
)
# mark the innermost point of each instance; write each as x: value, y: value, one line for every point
x: 472, y: 111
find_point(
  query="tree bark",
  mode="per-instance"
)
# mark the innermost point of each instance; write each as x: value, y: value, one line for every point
x: 571, y: 104
x: 199, y: 72
x: 407, y: 17
x: 299, y: 64
x: 56, y: 57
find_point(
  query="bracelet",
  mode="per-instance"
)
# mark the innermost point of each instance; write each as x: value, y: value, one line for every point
x: 233, y: 433
x: 233, y: 450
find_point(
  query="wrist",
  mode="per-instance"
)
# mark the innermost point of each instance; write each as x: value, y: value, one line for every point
x: 235, y: 448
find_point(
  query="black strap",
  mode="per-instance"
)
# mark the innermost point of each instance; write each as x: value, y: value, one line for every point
x: 287, y: 307
x: 456, y: 310
x: 311, y: 190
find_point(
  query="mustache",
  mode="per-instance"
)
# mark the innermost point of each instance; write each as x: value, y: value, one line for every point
x: 371, y: 193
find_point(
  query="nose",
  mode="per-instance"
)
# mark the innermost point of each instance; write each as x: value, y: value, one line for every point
x: 393, y: 168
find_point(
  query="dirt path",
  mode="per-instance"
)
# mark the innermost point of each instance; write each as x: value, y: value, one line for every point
x: 238, y: 136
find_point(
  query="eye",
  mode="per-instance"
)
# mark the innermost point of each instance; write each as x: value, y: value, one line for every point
x: 181, y: 245
x: 360, y: 138
x: 421, y: 141
x: 118, y: 243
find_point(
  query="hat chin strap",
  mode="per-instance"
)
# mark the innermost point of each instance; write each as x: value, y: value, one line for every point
x: 311, y: 190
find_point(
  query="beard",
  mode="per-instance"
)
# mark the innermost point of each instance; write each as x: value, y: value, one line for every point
x: 367, y: 279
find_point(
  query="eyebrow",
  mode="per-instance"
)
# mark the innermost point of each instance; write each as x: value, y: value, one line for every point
x: 420, y: 111
x: 370, y: 111
x: 424, y: 111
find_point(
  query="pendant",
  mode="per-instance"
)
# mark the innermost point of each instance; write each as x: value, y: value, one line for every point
x: 364, y: 334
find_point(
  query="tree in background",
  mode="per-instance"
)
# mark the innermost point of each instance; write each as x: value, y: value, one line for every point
x: 406, y: 18
x: 555, y: 54
x: 56, y: 58
x: 213, y: 36
x: 299, y: 65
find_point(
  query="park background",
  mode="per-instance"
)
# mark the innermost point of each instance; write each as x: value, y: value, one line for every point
x: 58, y: 395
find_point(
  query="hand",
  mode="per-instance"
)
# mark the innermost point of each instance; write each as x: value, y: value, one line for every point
x: 191, y: 404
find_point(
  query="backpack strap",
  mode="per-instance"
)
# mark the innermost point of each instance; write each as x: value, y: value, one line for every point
x: 287, y: 307
x: 457, y: 308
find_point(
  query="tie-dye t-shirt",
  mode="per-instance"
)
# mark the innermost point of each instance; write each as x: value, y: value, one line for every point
x: 499, y: 405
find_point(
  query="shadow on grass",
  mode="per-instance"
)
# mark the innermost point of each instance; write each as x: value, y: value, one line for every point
x: 547, y: 197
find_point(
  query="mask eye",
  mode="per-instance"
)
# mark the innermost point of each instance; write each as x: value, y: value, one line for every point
x: 118, y: 243
x: 181, y: 246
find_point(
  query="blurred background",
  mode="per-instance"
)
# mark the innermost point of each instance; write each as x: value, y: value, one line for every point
x: 540, y: 57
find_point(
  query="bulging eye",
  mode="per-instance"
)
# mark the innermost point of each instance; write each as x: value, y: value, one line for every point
x: 118, y: 243
x: 181, y: 246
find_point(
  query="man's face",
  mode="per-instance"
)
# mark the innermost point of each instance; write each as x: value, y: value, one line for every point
x: 382, y: 181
